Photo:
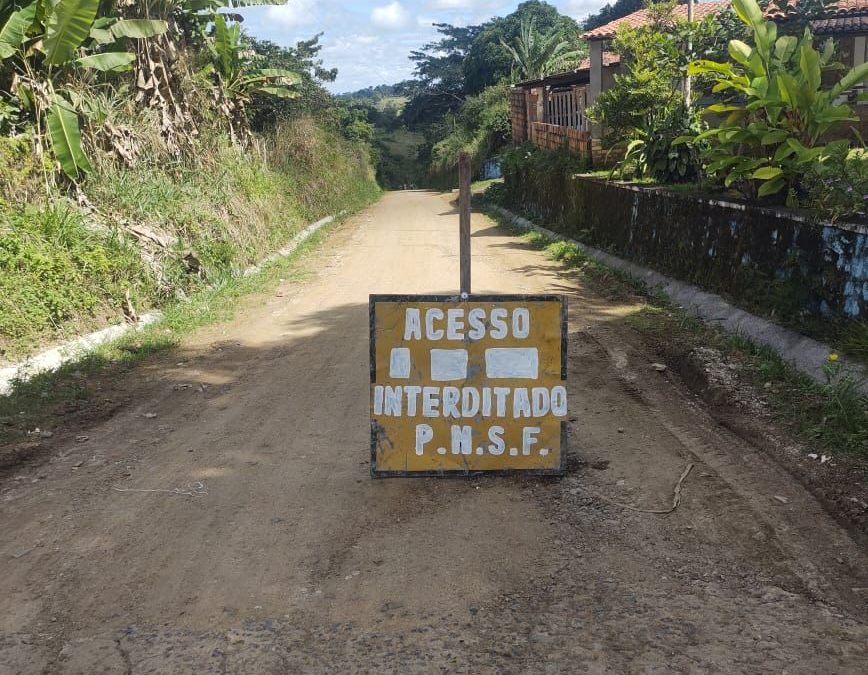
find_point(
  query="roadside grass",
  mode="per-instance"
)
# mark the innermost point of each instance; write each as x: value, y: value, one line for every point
x: 57, y: 274
x: 33, y: 401
x: 67, y: 268
x: 483, y: 185
x: 831, y: 416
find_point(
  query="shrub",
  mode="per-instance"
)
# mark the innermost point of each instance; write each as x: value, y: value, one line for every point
x: 838, y: 187
x: 54, y: 270
x: 532, y: 175
x: 481, y: 127
x: 775, y: 106
x: 646, y: 106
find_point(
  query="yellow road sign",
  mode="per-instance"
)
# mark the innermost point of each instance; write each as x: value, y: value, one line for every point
x: 466, y: 385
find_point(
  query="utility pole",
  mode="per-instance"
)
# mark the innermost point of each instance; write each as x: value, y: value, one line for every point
x: 687, y: 82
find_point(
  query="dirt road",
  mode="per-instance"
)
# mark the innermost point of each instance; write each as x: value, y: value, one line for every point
x: 286, y: 557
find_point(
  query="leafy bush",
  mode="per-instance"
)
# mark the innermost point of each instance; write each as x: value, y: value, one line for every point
x: 481, y: 127
x: 838, y: 187
x: 532, y: 175
x: 54, y: 270
x: 775, y: 106
x: 652, y: 152
x: 646, y: 106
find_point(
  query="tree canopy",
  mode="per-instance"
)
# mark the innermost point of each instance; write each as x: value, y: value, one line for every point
x: 488, y: 61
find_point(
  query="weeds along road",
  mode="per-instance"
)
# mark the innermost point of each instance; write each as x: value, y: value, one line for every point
x: 289, y: 558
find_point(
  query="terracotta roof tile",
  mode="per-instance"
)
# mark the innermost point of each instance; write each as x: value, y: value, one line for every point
x: 840, y: 8
x: 609, y: 59
x: 642, y: 18
x: 841, y: 24
x: 844, y: 15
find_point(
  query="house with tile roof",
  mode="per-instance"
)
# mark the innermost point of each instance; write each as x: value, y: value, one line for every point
x: 551, y: 111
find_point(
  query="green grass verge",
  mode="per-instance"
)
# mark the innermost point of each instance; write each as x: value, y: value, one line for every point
x: 832, y: 416
x: 31, y: 403
x: 65, y: 270
x: 483, y: 185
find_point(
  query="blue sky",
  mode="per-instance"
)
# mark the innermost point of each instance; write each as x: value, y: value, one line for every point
x: 368, y: 41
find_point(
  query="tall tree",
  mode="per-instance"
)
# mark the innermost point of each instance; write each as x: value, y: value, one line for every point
x: 489, y: 62
x: 440, y: 74
x: 536, y: 55
x: 610, y: 12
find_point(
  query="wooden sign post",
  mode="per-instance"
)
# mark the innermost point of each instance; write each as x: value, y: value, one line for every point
x: 467, y: 383
x: 460, y: 385
x: 464, y: 220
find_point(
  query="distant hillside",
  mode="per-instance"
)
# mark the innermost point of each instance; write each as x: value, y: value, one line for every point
x: 382, y: 91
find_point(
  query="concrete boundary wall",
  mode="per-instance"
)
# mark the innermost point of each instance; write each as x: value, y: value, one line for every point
x: 768, y: 259
x: 805, y: 354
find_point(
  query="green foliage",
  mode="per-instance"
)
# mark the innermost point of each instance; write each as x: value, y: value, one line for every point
x: 65, y: 135
x: 537, y: 55
x: 531, y: 173
x: 646, y: 106
x: 652, y: 151
x: 41, y: 46
x: 487, y: 61
x: 304, y: 59
x: 397, y: 158
x: 54, y: 271
x: 481, y: 127
x: 225, y: 210
x: 50, y: 48
x: 449, y: 102
x: 775, y: 108
x: 239, y: 79
x: 21, y: 171
x: 440, y: 81
x: 838, y: 187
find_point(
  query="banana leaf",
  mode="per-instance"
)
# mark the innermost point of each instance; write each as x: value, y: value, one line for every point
x: 67, y: 27
x: 65, y: 135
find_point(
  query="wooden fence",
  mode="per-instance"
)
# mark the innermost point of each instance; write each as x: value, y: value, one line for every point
x: 567, y: 109
x: 553, y: 136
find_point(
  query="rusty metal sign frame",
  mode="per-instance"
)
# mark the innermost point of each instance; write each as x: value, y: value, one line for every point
x: 373, y: 299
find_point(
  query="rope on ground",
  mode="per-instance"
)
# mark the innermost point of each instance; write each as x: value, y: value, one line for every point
x: 676, y: 497
x: 188, y: 489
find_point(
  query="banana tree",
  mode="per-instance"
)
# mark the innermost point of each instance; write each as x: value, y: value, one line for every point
x: 238, y: 79
x: 536, y: 55
x: 774, y: 109
x: 159, y: 69
x: 42, y: 42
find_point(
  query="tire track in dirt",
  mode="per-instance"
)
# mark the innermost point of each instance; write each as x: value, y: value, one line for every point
x: 295, y: 561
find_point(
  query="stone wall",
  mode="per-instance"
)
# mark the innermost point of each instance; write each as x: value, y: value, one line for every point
x: 775, y: 259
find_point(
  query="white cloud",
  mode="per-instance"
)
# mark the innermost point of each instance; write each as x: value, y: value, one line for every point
x: 390, y: 17
x: 298, y: 13
x: 463, y: 4
x: 579, y: 9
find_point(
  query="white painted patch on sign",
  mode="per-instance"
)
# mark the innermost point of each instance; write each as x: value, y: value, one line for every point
x: 502, y: 363
x: 399, y: 363
x: 448, y: 364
